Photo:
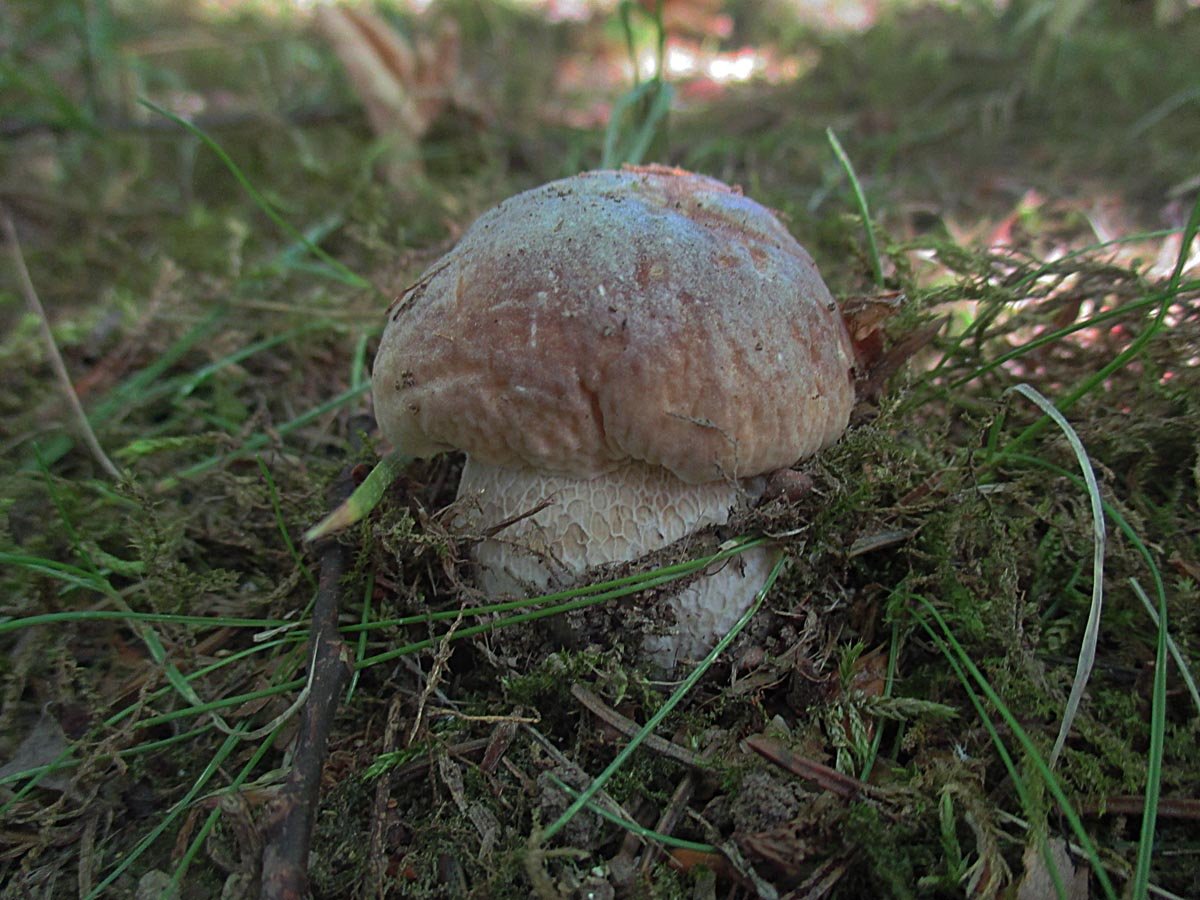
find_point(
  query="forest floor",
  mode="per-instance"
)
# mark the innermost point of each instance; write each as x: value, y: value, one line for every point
x: 215, y: 231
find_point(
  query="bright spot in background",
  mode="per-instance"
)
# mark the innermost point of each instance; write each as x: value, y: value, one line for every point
x: 731, y: 67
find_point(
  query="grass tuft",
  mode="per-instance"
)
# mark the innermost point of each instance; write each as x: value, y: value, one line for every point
x: 915, y: 653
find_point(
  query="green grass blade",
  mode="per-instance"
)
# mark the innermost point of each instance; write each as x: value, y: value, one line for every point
x: 1180, y: 663
x: 1051, y: 337
x: 663, y: 711
x: 612, y: 589
x: 343, y: 274
x: 15, y: 76
x: 141, y: 387
x: 632, y: 826
x: 210, y: 822
x: 861, y: 199
x: 148, y: 636
x: 202, y: 375
x: 65, y: 760
x: 124, y: 753
x: 576, y: 598
x: 417, y: 646
x: 273, y: 493
x: 1112, y: 512
x: 177, y: 810
x: 1163, y: 298
x: 647, y: 106
x: 889, y: 684
x: 293, y: 258
x: 64, y: 572
x: 358, y: 363
x: 977, y: 326
x: 360, y: 650
x: 260, y: 440
x: 1024, y: 795
x: 1031, y: 751
x: 644, y: 108
x: 108, y: 615
x: 1154, y: 758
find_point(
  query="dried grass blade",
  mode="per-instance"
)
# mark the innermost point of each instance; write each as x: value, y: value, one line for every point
x: 56, y: 360
x: 1091, y: 633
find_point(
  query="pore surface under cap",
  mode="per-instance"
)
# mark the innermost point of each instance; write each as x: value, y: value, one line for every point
x: 561, y: 527
x: 580, y: 523
x: 646, y: 314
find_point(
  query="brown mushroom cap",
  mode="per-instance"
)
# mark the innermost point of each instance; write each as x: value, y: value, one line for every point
x: 647, y: 314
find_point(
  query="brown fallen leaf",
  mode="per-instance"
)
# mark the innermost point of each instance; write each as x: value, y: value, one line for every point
x: 889, y: 361
x: 876, y: 361
x: 404, y: 87
x: 1038, y: 882
x: 686, y: 860
x: 866, y: 313
x: 44, y: 744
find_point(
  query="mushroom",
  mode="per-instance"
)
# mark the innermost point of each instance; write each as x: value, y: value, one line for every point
x: 621, y: 355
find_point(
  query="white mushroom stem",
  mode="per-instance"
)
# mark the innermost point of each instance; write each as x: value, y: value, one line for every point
x: 618, y: 516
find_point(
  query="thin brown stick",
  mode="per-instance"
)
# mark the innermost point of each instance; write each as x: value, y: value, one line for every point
x: 629, y: 728
x: 494, y: 530
x: 827, y: 779
x: 820, y: 882
x: 288, y: 824
x: 671, y: 815
x: 56, y: 360
x: 1123, y: 805
x: 380, y: 814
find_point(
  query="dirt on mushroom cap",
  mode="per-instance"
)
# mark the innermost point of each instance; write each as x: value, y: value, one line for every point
x: 647, y: 314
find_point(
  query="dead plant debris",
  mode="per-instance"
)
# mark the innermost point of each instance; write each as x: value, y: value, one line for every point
x: 847, y: 745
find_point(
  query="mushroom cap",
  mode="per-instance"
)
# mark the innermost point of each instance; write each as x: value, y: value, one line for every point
x: 647, y: 314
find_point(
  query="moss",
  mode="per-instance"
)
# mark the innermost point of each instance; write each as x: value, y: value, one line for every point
x: 168, y: 289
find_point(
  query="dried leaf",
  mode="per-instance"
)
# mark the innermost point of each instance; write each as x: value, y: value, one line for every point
x: 1038, y: 881
x: 403, y: 86
x: 686, y: 860
x: 865, y: 314
x: 43, y: 745
x: 381, y: 67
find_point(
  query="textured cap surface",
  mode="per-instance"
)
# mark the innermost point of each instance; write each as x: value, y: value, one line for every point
x: 647, y: 314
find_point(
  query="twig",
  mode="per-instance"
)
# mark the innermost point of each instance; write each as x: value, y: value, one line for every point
x: 1121, y: 805
x: 56, y: 360
x: 628, y: 727
x: 671, y: 815
x: 827, y: 779
x: 820, y: 882
x: 433, y: 680
x: 376, y: 855
x: 288, y: 824
x: 494, y: 530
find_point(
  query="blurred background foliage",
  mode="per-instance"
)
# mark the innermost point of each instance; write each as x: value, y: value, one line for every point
x: 172, y: 169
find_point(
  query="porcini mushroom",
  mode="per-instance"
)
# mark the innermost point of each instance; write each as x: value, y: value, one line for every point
x: 627, y: 350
